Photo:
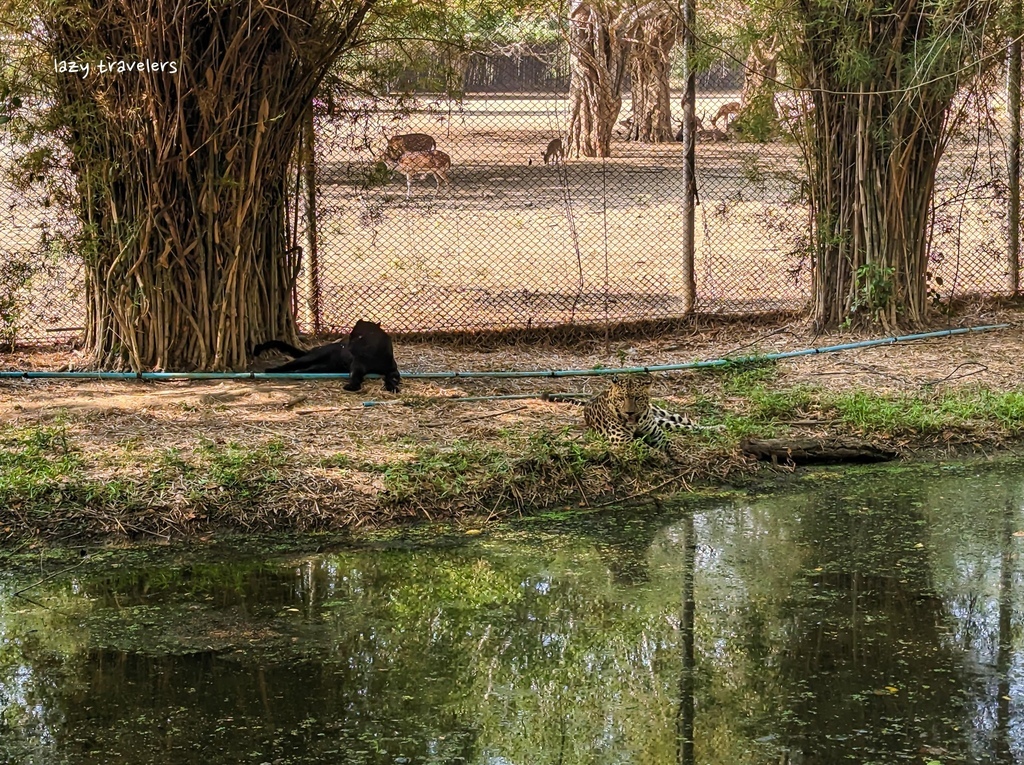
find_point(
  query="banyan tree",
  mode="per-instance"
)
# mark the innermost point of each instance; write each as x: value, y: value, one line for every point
x: 882, y: 79
x: 609, y: 39
x: 601, y: 34
x: 181, y: 154
x: 649, y: 75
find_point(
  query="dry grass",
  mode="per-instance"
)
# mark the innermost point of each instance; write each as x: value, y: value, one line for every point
x: 177, y: 458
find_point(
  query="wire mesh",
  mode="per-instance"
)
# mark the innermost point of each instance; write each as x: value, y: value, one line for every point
x: 968, y: 253
x: 41, y: 282
x: 752, y: 250
x: 511, y: 238
x: 516, y: 238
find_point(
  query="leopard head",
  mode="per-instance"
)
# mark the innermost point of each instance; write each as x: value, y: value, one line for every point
x: 630, y: 396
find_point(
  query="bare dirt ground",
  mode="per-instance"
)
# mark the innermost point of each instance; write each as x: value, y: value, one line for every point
x: 322, y: 416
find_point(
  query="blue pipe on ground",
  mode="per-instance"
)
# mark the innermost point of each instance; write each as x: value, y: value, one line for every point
x: 32, y: 375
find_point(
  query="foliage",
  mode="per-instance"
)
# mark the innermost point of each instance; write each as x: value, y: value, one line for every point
x: 874, y: 288
x: 412, y: 49
x: 758, y: 122
x: 16, y: 273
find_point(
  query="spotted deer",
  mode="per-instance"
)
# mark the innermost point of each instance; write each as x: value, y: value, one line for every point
x: 400, y: 144
x: 422, y: 164
x: 554, y: 152
x: 727, y: 111
x: 698, y: 125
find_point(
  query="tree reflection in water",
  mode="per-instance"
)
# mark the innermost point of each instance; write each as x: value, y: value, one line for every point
x: 868, y: 619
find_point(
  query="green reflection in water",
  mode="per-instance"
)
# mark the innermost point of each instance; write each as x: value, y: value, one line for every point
x: 871, y: 616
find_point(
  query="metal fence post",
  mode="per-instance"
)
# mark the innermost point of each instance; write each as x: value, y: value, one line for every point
x: 1013, y: 160
x: 312, y: 261
x: 689, y: 165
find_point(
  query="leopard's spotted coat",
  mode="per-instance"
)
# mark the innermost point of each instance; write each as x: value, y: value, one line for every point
x: 624, y: 412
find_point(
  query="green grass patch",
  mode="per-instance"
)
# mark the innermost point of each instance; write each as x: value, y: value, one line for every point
x: 517, y: 465
x: 46, y: 477
x: 740, y: 377
x: 444, y: 471
x: 35, y: 463
x: 559, y: 450
x: 170, y: 464
x: 244, y: 470
x: 866, y: 412
x: 781, y: 404
x: 765, y: 412
x: 762, y: 413
x: 339, y: 460
x: 962, y: 410
x: 39, y: 467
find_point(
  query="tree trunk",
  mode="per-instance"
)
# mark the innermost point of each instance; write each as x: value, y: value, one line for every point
x: 183, y: 175
x: 760, y: 71
x: 758, y: 118
x: 871, y: 206
x: 200, y: 284
x: 599, y: 46
x: 876, y: 135
x: 649, y: 72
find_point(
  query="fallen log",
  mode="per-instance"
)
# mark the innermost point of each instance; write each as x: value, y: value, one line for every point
x: 793, y: 451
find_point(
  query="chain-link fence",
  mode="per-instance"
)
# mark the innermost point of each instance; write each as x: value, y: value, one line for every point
x: 968, y: 253
x: 41, y: 283
x: 517, y: 239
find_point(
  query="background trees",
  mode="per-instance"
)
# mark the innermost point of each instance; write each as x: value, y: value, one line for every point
x: 651, y: 120
x: 600, y: 42
x: 607, y: 40
x: 181, y: 178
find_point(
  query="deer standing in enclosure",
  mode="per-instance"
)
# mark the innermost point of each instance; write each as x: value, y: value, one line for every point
x: 555, y: 151
x: 727, y: 112
x: 422, y: 164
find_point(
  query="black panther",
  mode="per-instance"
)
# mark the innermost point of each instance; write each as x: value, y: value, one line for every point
x: 332, y: 358
x: 368, y: 350
x: 372, y: 353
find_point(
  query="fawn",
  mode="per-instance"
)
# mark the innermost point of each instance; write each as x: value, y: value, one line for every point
x: 424, y: 163
x: 554, y: 151
x: 727, y: 110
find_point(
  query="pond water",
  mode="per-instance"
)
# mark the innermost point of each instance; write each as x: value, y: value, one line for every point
x: 870, y: 616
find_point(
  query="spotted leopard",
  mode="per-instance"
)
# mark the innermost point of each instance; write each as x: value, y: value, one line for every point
x: 624, y: 412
